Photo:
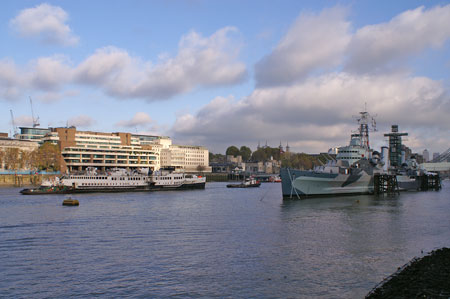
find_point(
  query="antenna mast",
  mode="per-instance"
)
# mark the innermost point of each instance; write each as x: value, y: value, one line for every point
x: 363, y: 121
x: 35, y: 121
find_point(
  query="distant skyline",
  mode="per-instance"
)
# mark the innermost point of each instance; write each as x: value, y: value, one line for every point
x: 221, y: 73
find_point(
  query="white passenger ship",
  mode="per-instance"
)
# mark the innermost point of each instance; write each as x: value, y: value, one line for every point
x: 113, y: 180
x: 172, y: 180
x: 118, y: 180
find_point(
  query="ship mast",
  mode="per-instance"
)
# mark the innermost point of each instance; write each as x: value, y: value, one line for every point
x: 364, y: 120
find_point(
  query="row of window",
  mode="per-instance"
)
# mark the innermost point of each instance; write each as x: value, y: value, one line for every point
x: 107, y: 184
x: 105, y: 178
x: 169, y: 178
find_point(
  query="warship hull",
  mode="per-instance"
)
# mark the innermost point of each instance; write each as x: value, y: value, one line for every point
x: 300, y: 183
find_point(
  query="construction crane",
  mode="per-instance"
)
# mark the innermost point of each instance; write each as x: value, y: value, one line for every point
x: 35, y: 121
x: 14, y: 132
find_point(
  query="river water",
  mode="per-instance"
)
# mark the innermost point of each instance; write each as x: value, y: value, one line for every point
x: 217, y: 242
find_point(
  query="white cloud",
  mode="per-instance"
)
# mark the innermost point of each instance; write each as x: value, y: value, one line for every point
x: 45, y: 22
x: 312, y: 43
x: 378, y: 46
x: 299, y: 100
x: 11, y: 80
x: 51, y: 96
x: 139, y: 119
x: 200, y: 62
x: 50, y: 73
x: 104, y: 66
x: 81, y: 121
x: 317, y: 114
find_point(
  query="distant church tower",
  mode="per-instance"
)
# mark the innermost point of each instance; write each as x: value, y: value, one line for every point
x: 281, y: 148
x: 288, y: 149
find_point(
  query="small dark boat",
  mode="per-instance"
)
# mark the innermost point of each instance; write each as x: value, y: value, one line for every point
x: 70, y: 202
x: 47, y: 190
x: 246, y: 184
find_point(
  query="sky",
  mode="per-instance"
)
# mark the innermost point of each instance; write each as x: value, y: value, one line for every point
x: 221, y: 73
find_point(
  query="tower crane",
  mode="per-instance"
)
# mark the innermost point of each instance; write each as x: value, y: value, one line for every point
x: 35, y: 120
x: 14, y: 132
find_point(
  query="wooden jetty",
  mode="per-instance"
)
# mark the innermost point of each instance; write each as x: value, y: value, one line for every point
x: 385, y: 183
x: 430, y: 182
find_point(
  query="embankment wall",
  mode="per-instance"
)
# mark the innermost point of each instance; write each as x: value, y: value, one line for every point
x: 19, y: 180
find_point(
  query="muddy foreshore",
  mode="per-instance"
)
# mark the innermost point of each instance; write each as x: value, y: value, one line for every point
x: 426, y: 277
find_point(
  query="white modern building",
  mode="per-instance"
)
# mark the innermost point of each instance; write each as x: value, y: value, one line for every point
x: 82, y: 149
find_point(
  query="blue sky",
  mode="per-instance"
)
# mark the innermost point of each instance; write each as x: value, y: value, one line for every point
x: 220, y: 73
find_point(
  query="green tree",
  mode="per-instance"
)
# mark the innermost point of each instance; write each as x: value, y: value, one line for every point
x: 218, y: 158
x: 299, y: 161
x: 245, y: 152
x: 259, y: 155
x: 232, y: 151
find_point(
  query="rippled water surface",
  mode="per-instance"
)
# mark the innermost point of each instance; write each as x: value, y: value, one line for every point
x: 218, y: 242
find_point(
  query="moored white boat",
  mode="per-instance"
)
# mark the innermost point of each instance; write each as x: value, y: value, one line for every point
x: 115, y: 180
x: 250, y: 182
x: 172, y: 180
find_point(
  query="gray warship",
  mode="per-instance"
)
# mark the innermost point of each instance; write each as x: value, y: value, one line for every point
x: 351, y: 173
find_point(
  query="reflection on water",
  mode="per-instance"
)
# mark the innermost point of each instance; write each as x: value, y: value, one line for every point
x: 214, y: 242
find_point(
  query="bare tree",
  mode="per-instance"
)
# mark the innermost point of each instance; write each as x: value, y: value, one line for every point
x: 201, y: 168
x: 11, y: 158
x: 2, y: 154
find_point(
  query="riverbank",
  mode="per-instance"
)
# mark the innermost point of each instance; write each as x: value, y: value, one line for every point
x: 19, y: 180
x: 426, y: 277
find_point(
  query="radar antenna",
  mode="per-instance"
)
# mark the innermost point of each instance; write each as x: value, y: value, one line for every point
x: 364, y: 119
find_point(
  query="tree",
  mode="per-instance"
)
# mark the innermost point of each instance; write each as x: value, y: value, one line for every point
x: 11, y: 158
x: 201, y: 168
x: 259, y: 155
x: 245, y: 152
x: 218, y: 158
x: 27, y: 159
x: 232, y: 151
x: 48, y: 157
x: 299, y: 161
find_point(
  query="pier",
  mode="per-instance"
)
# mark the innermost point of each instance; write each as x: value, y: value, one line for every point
x: 430, y: 182
x: 385, y: 183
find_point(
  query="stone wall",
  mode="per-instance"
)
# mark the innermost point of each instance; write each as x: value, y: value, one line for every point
x: 19, y: 180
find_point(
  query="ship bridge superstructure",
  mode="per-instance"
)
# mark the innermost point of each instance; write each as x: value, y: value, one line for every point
x: 359, y: 146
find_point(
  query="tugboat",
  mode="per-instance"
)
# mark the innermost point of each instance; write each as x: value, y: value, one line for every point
x: 43, y: 189
x: 248, y: 183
